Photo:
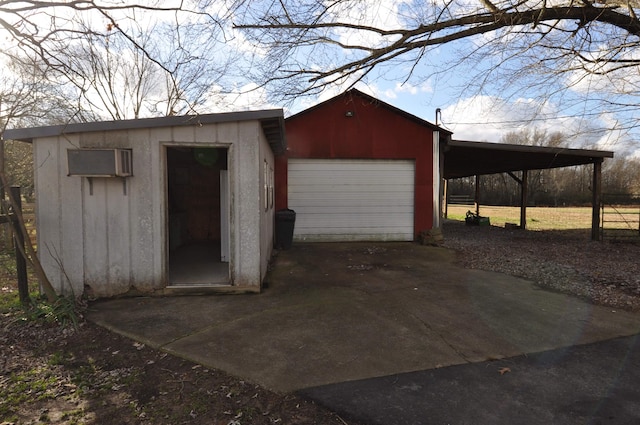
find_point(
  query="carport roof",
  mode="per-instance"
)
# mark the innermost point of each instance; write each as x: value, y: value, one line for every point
x: 465, y: 158
x: 271, y: 120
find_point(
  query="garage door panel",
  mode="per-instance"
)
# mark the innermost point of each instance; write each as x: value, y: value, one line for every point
x: 355, y: 227
x: 338, y: 164
x: 352, y: 199
x: 344, y: 235
x: 325, y: 177
x: 320, y: 209
x: 348, y: 180
x: 349, y: 219
x: 342, y: 196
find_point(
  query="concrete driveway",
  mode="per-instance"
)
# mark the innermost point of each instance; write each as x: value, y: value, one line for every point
x: 335, y: 313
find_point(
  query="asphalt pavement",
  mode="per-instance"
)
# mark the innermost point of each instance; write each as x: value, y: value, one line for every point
x: 587, y: 384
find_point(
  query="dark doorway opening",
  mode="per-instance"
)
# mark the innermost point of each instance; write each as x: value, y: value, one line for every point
x: 198, y: 216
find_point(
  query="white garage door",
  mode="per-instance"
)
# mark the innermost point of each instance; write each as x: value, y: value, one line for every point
x: 342, y: 200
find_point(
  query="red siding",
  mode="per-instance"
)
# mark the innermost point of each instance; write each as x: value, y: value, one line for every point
x: 375, y: 131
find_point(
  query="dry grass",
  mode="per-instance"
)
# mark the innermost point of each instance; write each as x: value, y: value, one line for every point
x: 550, y: 218
x: 538, y: 218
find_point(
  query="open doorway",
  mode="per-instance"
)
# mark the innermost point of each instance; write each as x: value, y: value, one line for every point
x: 198, y: 216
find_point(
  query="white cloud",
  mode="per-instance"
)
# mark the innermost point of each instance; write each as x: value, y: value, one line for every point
x: 480, y: 118
x: 413, y: 89
x: 408, y: 88
x: 618, y: 137
x: 243, y: 98
x: 390, y: 94
x: 489, y: 118
x: 621, y: 81
x: 371, y: 13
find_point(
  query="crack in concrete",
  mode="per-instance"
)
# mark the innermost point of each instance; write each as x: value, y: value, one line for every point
x: 442, y: 338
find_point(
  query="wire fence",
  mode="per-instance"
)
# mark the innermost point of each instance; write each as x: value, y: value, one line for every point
x: 620, y: 217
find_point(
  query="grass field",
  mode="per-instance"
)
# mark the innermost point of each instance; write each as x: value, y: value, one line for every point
x: 552, y: 218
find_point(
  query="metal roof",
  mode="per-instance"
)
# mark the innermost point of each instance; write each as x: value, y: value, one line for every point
x: 465, y: 158
x: 272, y: 121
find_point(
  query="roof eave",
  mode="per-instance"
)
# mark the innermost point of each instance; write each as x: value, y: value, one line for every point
x: 467, y: 158
x: 271, y: 119
x: 530, y: 148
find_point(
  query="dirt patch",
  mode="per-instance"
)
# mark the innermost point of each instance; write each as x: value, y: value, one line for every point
x: 50, y: 374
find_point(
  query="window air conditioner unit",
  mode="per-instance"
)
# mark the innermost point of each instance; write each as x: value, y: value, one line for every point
x: 99, y: 162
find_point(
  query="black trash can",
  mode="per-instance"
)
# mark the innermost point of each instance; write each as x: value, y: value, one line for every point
x: 285, y: 222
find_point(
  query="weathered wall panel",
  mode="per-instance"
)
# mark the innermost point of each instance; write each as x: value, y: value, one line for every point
x: 267, y: 207
x: 109, y: 235
x: 118, y: 223
x: 71, y: 248
x: 140, y: 210
x: 154, y: 225
x: 96, y: 252
x: 183, y: 134
x: 48, y: 206
x: 246, y: 200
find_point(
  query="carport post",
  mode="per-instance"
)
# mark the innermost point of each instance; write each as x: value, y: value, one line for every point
x: 477, y: 195
x: 595, y: 202
x: 446, y: 198
x: 524, y: 189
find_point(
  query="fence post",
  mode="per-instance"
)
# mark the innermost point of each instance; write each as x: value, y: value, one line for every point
x: 21, y: 262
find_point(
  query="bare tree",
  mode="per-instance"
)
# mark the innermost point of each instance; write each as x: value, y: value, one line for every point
x: 126, y: 60
x: 621, y: 177
x: 27, y: 97
x: 550, y: 46
x: 111, y: 79
x: 43, y: 29
x: 544, y: 185
x: 118, y: 80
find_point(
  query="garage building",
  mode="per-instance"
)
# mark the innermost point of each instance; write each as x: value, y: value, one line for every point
x: 360, y: 169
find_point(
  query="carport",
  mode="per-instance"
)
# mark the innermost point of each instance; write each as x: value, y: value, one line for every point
x: 466, y: 159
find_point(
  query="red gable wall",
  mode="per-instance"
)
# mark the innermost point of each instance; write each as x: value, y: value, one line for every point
x: 374, y: 131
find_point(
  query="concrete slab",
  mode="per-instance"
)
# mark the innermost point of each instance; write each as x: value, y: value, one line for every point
x: 346, y: 312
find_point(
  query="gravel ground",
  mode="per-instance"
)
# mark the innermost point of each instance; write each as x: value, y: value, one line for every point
x: 605, y: 273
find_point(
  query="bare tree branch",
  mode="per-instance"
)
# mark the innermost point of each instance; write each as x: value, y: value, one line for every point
x: 524, y: 27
